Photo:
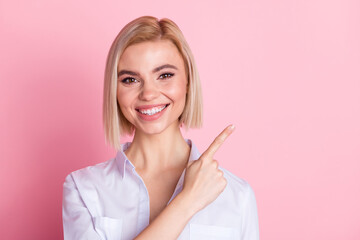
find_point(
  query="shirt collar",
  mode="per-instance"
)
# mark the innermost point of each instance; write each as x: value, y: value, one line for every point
x: 125, y: 165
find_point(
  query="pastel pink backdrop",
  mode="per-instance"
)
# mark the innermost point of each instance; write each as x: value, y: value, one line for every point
x: 286, y: 73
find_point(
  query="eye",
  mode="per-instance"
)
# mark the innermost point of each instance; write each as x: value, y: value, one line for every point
x: 129, y: 80
x: 166, y: 75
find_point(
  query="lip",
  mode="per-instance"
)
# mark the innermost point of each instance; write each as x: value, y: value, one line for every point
x: 151, y: 117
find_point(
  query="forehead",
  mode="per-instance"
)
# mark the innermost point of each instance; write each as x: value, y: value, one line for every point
x: 149, y: 55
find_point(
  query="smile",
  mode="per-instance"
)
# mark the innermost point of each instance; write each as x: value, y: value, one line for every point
x: 153, y: 110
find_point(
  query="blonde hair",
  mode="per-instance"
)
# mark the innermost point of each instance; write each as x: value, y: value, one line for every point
x: 143, y: 29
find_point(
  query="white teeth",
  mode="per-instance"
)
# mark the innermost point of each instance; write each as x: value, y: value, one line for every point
x: 152, y: 111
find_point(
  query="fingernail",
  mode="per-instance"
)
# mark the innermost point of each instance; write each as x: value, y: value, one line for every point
x: 232, y: 126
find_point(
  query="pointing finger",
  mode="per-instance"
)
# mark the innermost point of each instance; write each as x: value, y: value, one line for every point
x: 215, y: 145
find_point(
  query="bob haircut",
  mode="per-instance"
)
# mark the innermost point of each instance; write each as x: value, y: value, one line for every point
x: 144, y: 29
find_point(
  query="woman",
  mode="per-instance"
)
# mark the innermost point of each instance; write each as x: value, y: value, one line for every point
x: 159, y: 186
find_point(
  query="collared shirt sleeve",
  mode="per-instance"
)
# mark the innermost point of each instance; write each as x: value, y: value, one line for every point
x: 77, y: 221
x: 250, y: 226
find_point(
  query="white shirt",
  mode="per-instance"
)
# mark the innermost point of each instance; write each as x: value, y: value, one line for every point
x: 110, y: 201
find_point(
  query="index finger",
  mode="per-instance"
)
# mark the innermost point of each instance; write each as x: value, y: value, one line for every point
x: 219, y: 140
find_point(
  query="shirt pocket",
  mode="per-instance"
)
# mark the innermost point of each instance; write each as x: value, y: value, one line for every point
x: 108, y: 228
x: 207, y: 232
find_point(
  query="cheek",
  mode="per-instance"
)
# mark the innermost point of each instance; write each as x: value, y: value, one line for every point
x: 124, y: 99
x: 123, y: 96
x: 121, y: 99
x: 177, y: 91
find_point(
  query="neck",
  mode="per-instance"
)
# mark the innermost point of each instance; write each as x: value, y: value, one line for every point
x: 159, y: 152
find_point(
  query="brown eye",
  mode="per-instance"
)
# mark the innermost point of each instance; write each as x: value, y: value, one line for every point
x: 129, y: 80
x: 166, y: 75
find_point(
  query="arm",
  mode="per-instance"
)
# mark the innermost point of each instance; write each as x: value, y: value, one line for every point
x: 77, y: 221
x: 250, y: 226
x: 171, y: 221
x: 203, y: 183
x: 78, y: 224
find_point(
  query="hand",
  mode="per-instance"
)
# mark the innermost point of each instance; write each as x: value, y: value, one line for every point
x: 203, y: 181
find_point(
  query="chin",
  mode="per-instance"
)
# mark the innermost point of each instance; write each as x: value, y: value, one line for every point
x: 153, y: 129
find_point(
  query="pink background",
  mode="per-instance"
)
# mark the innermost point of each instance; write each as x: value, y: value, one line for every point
x: 286, y: 73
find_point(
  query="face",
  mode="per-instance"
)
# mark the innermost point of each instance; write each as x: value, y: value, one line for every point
x: 152, y: 86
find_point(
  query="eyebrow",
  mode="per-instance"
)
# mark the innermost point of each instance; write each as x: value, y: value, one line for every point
x: 122, y: 72
x: 164, y: 66
x: 157, y: 69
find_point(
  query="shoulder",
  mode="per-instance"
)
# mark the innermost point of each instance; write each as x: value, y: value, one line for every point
x: 235, y: 182
x: 238, y: 188
x: 93, y: 174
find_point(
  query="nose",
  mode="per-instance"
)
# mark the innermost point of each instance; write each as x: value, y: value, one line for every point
x: 149, y: 91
